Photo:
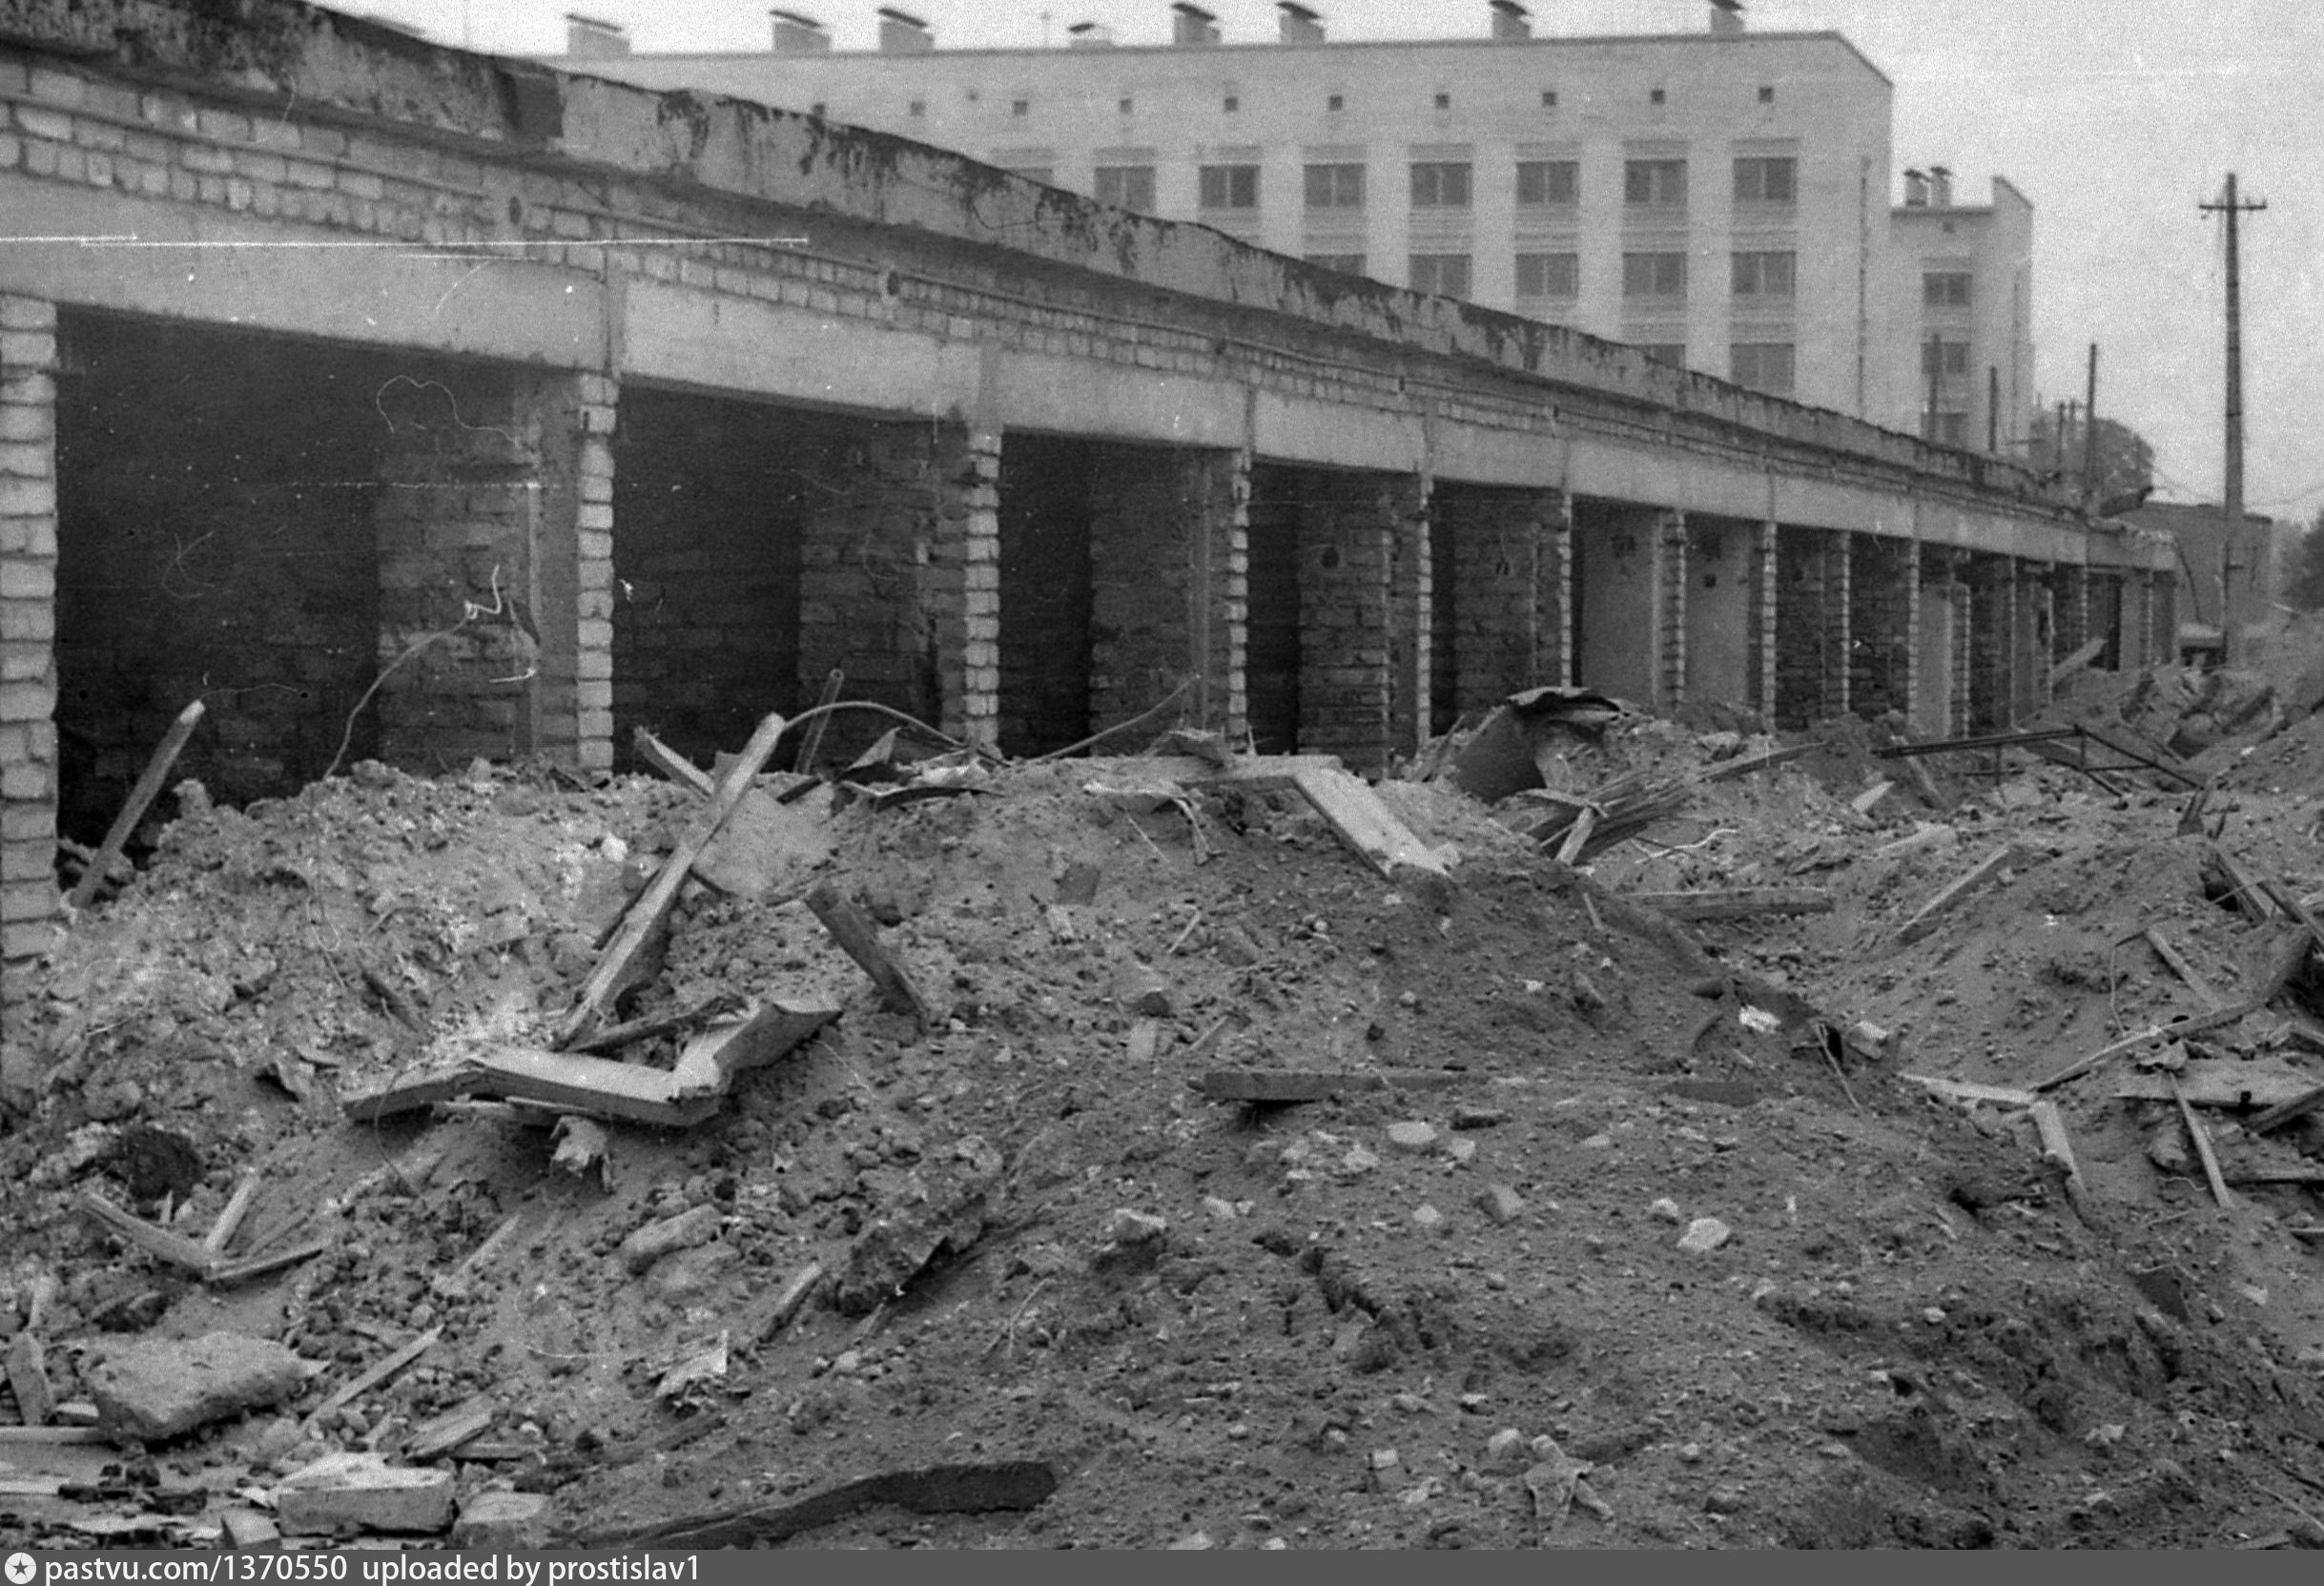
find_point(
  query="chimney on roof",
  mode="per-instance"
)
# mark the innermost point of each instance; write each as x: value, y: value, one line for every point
x: 1191, y: 24
x: 901, y: 33
x: 1301, y: 25
x: 1510, y: 20
x: 586, y: 36
x: 1940, y: 187
x: 1916, y: 190
x: 1089, y: 35
x: 1727, y: 17
x: 799, y: 35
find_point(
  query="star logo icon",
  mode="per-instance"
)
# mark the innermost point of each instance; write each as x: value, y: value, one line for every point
x: 21, y: 1569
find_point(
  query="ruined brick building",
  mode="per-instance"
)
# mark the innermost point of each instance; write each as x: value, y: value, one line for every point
x: 518, y: 409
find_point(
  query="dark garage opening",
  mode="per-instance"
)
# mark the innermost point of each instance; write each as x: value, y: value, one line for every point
x: 1047, y: 485
x: 710, y: 499
x: 216, y: 501
x: 1271, y: 654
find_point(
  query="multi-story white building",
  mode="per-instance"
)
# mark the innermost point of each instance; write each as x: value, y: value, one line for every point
x: 1721, y: 197
x: 1963, y: 289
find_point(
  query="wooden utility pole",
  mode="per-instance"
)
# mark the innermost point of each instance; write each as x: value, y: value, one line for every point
x: 2231, y: 545
x: 2090, y: 439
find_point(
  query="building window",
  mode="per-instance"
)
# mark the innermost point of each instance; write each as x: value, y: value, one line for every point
x: 1672, y: 353
x: 1440, y: 184
x: 918, y: 107
x: 1654, y: 183
x: 1944, y: 288
x: 1548, y: 182
x: 1947, y: 429
x: 1548, y: 98
x: 1947, y: 359
x: 1549, y: 275
x: 1446, y: 275
x: 1766, y: 275
x: 817, y: 109
x: 1443, y: 100
x: 1229, y: 187
x: 1018, y: 107
x: 1126, y: 186
x: 1655, y: 96
x: 1125, y: 106
x: 1767, y: 94
x: 1763, y: 365
x: 1346, y: 264
x: 1654, y: 276
x: 1767, y: 180
x: 1234, y: 103
x: 1335, y: 187
x: 1335, y: 101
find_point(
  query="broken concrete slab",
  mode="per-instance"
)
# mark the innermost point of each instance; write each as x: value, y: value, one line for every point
x: 362, y: 1492
x: 26, y: 1365
x: 156, y: 1390
x: 899, y: 1246
x: 503, y: 1519
x: 696, y: 1225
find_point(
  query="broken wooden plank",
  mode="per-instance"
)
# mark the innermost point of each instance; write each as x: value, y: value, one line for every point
x: 622, y: 961
x: 462, y: 1424
x: 2202, y: 1138
x: 2123, y: 745
x: 227, y: 1273
x: 2075, y: 661
x: 1925, y: 919
x: 1736, y: 903
x: 1283, y: 1086
x: 2250, y: 897
x: 1578, y: 835
x: 386, y: 1368
x: 711, y: 1059
x: 1746, y: 765
x: 2176, y: 962
x: 810, y: 742
x: 859, y: 939
x: 1248, y: 773
x: 1969, y: 1090
x: 187, y: 1254
x: 1014, y: 1485
x: 406, y: 1089
x: 794, y: 1295
x: 2194, y: 1025
x: 2249, y: 1173
x: 230, y: 1219
x: 2058, y: 1148
x: 2217, y: 1084
x: 26, y: 1367
x: 2285, y: 1111
x: 52, y: 1437
x: 1365, y: 824
x: 1865, y: 802
x: 587, y: 1085
x: 140, y: 799
x: 670, y: 763
x: 614, y: 1035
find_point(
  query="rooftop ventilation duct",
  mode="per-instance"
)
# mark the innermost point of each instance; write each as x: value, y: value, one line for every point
x: 1301, y: 25
x: 1727, y: 17
x: 1191, y: 25
x: 1939, y: 187
x: 1916, y: 190
x: 799, y: 34
x: 586, y: 36
x: 901, y: 33
x: 1089, y: 35
x: 1510, y: 20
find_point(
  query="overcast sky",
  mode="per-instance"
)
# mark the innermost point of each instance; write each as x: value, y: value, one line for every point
x: 2116, y: 117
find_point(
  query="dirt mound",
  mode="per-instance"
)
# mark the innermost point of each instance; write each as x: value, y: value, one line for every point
x: 1609, y: 1251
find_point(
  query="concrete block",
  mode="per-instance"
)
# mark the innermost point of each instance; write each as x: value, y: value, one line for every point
x: 502, y: 1520
x: 20, y: 313
x: 361, y: 1492
x: 649, y: 1243
x: 159, y: 1388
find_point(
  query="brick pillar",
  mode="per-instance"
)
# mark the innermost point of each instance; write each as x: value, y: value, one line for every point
x: 2037, y: 629
x: 29, y: 904
x: 1670, y: 611
x: 2069, y: 585
x: 1992, y: 630
x: 1403, y: 501
x: 1558, y: 667
x: 495, y: 533
x: 2165, y: 617
x: 1812, y: 648
x: 1169, y: 538
x: 1507, y: 592
x: 1883, y: 623
x: 1348, y: 617
x: 964, y: 584
x: 1763, y: 619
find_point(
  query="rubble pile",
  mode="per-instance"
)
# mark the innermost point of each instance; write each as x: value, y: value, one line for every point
x: 1181, y: 1149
